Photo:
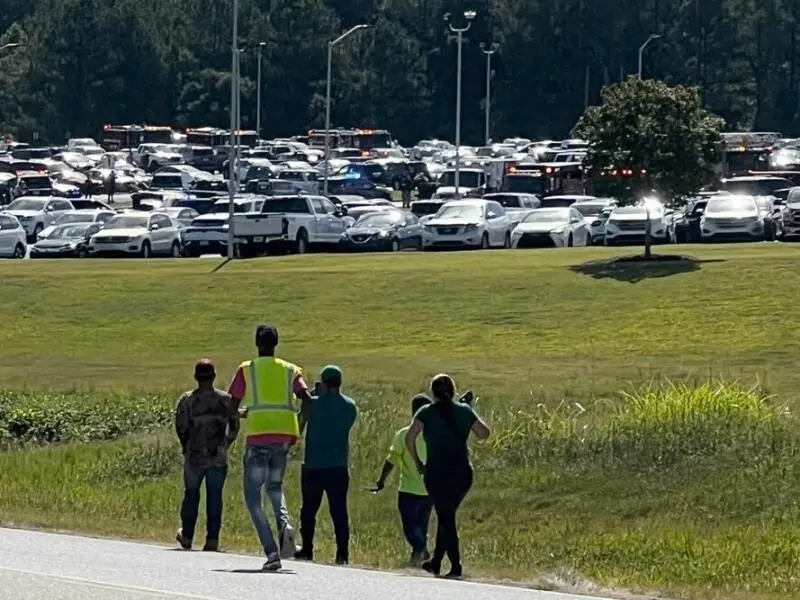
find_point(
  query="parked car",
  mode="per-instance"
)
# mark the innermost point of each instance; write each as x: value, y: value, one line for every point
x: 469, y: 224
x: 595, y: 212
x: 731, y: 218
x: 627, y: 225
x: 36, y: 213
x: 685, y: 224
x: 78, y: 216
x: 552, y: 227
x: 70, y: 240
x: 137, y: 233
x: 13, y: 239
x: 392, y: 230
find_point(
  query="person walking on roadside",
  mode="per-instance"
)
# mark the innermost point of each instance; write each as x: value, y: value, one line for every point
x: 445, y: 426
x: 207, y: 423
x: 326, y: 464
x: 413, y: 501
x: 268, y: 389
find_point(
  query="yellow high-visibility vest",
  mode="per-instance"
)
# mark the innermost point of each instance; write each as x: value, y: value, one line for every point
x: 269, y: 397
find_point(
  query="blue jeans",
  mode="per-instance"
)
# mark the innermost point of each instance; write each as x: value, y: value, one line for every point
x: 264, y: 467
x: 415, y: 514
x: 193, y: 477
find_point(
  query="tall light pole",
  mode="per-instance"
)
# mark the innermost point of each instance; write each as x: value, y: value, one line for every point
x: 488, y: 52
x: 258, y: 94
x: 653, y: 36
x: 469, y: 16
x: 338, y: 40
x: 234, y: 97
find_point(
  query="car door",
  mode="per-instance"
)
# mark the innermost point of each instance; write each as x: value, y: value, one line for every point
x: 162, y: 236
x: 580, y: 231
x: 412, y: 231
x: 336, y: 223
x: 324, y: 232
x: 7, y: 235
x: 498, y: 223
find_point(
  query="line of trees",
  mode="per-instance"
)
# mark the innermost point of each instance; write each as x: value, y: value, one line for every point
x: 86, y: 62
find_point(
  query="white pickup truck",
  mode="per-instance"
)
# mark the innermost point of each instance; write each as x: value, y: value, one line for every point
x: 208, y: 233
x: 288, y: 223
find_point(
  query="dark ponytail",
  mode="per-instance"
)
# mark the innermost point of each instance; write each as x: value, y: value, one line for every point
x: 443, y: 389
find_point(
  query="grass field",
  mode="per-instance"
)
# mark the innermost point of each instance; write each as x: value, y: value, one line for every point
x: 686, y: 488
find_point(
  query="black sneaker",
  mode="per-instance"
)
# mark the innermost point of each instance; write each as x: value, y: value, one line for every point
x: 456, y: 572
x: 432, y: 567
x: 304, y: 555
x: 342, y: 560
x: 185, y: 542
x: 211, y: 546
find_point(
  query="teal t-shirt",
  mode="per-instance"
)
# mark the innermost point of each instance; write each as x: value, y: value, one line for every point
x: 327, y: 443
x: 446, y: 433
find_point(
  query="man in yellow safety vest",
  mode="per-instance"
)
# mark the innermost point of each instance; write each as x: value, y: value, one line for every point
x: 268, y: 390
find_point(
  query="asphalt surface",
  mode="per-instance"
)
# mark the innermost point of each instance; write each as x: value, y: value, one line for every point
x: 37, y: 566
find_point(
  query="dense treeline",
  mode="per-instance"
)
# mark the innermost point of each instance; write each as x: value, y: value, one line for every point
x: 86, y: 62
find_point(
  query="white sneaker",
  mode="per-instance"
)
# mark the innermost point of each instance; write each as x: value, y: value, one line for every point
x: 288, y: 547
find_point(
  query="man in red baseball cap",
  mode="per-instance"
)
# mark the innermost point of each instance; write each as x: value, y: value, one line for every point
x: 207, y: 422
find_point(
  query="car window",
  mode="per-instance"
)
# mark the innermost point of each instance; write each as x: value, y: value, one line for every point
x: 330, y: 207
x: 163, y: 221
x: 62, y: 205
x: 575, y: 215
x: 103, y: 217
x: 496, y: 208
x: 319, y: 206
x: 411, y: 219
x: 6, y: 223
x: 187, y: 214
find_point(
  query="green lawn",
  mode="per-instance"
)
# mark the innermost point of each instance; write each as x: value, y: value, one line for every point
x: 547, y: 339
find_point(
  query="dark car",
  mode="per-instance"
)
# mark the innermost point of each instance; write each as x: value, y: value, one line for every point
x: 391, y: 230
x: 351, y: 186
x: 685, y: 226
x: 66, y: 241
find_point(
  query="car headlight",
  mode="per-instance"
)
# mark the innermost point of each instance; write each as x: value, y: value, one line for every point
x: 383, y: 234
x: 26, y: 218
x: 470, y: 227
x: 558, y: 230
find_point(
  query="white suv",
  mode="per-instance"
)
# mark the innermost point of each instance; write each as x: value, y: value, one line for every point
x: 37, y: 213
x: 12, y: 237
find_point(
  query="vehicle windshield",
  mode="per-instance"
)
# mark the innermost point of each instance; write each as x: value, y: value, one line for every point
x: 127, y: 222
x: 754, y: 187
x: 547, y: 215
x: 460, y: 211
x: 35, y: 183
x: 508, y: 201
x: 387, y: 219
x: 27, y: 204
x: 239, y: 207
x: 730, y: 205
x: 75, y: 218
x: 469, y: 179
x: 524, y: 184
x: 589, y: 210
x: 65, y: 232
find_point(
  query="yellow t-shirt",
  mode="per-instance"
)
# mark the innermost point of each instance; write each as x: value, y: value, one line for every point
x: 410, y: 479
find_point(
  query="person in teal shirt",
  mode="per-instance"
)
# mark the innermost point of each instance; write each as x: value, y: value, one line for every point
x: 326, y: 464
x: 413, y: 501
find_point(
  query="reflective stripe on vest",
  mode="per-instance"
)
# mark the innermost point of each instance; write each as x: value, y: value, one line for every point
x: 269, y: 397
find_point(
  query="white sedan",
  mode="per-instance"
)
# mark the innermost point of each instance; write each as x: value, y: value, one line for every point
x: 552, y: 227
x: 12, y: 237
x: 138, y: 233
x: 469, y: 224
x: 78, y: 216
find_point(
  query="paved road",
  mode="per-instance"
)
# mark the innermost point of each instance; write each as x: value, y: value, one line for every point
x: 37, y: 565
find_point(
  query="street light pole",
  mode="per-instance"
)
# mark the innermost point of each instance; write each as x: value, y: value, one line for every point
x: 331, y: 44
x: 492, y: 49
x: 258, y: 95
x: 459, y: 31
x: 232, y: 155
x: 653, y: 36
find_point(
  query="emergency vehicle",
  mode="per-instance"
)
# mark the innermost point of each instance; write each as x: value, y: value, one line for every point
x: 746, y: 152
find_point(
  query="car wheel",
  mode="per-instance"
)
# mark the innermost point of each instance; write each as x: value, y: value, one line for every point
x: 37, y: 230
x: 301, y: 243
x: 507, y: 240
x: 175, y: 250
x: 395, y: 245
x: 485, y: 241
x: 420, y: 245
x: 569, y: 241
x: 83, y: 253
x: 19, y: 251
x: 589, y: 240
x: 145, y: 251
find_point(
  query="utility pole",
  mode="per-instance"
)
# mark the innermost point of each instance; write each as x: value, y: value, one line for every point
x: 234, y: 98
x: 488, y: 52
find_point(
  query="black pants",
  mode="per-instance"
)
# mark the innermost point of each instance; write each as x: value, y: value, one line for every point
x: 334, y: 483
x: 448, y: 487
x: 415, y: 513
x: 193, y: 477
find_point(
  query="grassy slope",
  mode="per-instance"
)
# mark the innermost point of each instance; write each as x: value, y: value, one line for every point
x: 520, y: 328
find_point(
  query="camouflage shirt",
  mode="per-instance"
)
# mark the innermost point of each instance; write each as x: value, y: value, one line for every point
x: 207, y: 423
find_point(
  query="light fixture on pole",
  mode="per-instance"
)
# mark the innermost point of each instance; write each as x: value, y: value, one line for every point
x: 488, y: 52
x: 232, y: 154
x: 469, y: 16
x: 653, y: 36
x: 338, y: 40
x: 258, y: 94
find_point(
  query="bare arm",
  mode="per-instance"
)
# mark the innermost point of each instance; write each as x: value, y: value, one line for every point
x: 387, y: 469
x: 480, y: 429
x: 411, y: 443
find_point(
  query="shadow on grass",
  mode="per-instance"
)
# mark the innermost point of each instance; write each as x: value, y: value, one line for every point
x: 633, y: 269
x: 255, y: 571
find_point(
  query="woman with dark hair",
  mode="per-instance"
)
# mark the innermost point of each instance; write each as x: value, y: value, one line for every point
x: 445, y: 426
